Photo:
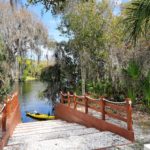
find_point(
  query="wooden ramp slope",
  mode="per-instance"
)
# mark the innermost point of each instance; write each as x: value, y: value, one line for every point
x: 58, y: 134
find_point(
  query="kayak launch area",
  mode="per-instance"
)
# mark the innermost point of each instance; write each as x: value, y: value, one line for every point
x: 79, y: 124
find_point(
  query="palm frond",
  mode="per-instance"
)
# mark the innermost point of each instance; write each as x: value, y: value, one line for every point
x: 138, y: 19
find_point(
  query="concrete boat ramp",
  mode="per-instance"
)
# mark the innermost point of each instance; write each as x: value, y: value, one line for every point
x: 73, y: 129
x: 61, y: 135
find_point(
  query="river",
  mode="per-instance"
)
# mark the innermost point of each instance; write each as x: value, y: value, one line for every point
x: 31, y: 101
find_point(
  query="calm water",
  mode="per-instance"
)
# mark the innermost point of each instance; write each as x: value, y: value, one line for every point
x: 30, y: 100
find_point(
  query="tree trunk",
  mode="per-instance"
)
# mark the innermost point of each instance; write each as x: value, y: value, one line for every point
x: 83, y: 77
x: 83, y: 70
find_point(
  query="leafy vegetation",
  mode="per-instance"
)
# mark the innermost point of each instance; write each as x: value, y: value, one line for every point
x: 84, y: 21
x: 5, y: 81
x: 138, y: 19
x: 105, y: 61
x: 31, y: 68
x: 20, y: 32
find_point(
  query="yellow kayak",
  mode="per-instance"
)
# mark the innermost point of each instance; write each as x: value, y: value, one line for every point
x: 40, y: 116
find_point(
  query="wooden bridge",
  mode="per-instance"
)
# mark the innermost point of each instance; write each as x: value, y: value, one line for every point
x: 82, y: 123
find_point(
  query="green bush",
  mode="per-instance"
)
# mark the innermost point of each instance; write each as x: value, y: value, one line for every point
x: 5, y: 78
x: 132, y: 77
x: 103, y: 87
x: 146, y: 89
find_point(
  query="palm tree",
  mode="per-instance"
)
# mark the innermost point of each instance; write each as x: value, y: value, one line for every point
x: 138, y: 19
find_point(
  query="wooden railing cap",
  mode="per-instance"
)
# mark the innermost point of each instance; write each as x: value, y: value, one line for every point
x: 102, y: 97
x: 128, y: 101
x: 88, y: 97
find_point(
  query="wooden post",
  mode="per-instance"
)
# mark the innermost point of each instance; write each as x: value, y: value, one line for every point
x: 68, y: 99
x: 4, y: 117
x: 102, y: 102
x: 86, y: 104
x: 8, y: 107
x: 129, y: 114
x: 61, y: 98
x: 74, y: 100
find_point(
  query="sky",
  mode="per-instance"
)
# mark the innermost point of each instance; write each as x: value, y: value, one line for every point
x: 52, y: 22
x: 118, y: 3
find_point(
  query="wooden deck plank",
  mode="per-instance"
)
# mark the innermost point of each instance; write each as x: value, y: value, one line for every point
x: 50, y: 130
x: 40, y: 123
x: 52, y: 135
x: 28, y: 129
x: 57, y: 134
x: 85, y: 142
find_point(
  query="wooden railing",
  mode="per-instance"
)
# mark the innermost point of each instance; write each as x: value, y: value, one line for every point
x: 10, y: 117
x: 117, y: 110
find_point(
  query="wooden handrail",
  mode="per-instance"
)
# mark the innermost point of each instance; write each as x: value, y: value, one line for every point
x: 10, y: 117
x: 103, y: 103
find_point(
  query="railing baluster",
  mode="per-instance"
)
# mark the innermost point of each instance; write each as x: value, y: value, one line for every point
x: 86, y: 104
x: 68, y: 99
x: 4, y: 113
x: 129, y: 114
x: 61, y: 98
x: 102, y: 107
x: 74, y: 99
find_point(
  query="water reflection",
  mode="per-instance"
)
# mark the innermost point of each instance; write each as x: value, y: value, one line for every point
x: 30, y: 100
